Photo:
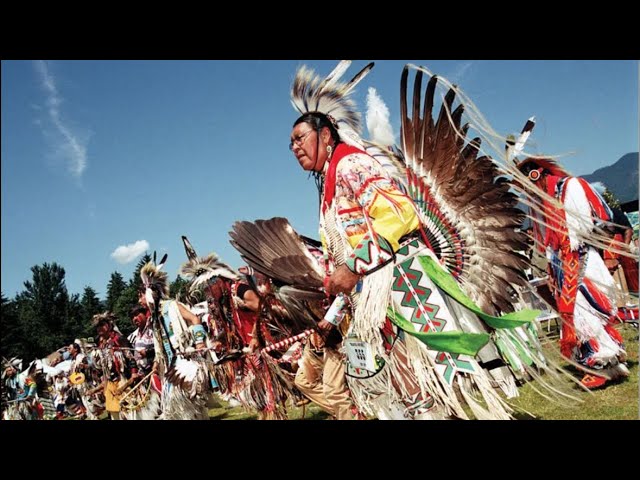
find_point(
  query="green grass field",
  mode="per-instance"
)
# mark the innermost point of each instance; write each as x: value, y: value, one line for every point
x: 308, y: 412
x: 616, y: 401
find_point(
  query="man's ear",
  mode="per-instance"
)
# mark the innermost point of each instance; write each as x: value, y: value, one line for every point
x: 326, y: 134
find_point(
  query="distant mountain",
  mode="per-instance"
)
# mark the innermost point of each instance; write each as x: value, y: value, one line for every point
x: 621, y: 178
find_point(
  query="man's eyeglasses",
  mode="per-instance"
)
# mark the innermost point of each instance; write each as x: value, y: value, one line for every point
x: 299, y: 140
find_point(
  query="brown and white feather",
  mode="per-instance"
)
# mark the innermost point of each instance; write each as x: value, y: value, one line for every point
x: 474, y: 201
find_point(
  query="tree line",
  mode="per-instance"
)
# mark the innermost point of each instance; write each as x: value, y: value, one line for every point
x: 45, y: 316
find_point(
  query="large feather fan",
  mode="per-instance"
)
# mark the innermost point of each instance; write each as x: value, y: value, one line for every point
x: 467, y: 208
x: 273, y: 248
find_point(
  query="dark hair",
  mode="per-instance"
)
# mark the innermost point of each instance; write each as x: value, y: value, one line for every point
x: 137, y: 310
x: 536, y: 163
x: 319, y: 120
x: 527, y: 167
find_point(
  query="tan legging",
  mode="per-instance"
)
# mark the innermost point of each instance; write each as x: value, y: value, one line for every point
x: 322, y: 380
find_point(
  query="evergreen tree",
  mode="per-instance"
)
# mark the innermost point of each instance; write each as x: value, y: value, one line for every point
x: 179, y: 289
x: 10, y: 341
x: 90, y: 303
x: 90, y: 306
x: 136, y: 281
x: 74, y: 326
x: 114, y: 289
x: 43, y: 308
x: 610, y: 199
x: 127, y: 300
x: 129, y: 297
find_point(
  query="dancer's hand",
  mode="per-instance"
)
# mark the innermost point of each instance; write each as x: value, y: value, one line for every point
x: 324, y: 327
x: 343, y: 280
x: 316, y: 341
x: 254, y: 345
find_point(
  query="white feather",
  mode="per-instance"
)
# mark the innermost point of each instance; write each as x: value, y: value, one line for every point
x: 186, y: 369
x: 201, y: 280
x: 522, y: 139
x: 335, y: 75
x: 148, y: 295
x: 378, y: 123
x: 224, y: 272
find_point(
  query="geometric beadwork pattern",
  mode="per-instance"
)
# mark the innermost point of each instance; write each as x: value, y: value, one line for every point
x: 369, y: 253
x: 418, y: 300
x: 570, y: 277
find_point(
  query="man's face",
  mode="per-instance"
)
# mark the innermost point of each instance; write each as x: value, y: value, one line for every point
x: 103, y: 329
x: 139, y: 320
x: 304, y: 146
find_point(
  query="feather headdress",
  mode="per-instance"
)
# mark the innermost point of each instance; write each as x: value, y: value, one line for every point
x: 311, y: 93
x: 200, y: 269
x: 108, y: 317
x: 551, y: 166
x: 14, y: 362
x: 154, y: 280
x: 515, y: 148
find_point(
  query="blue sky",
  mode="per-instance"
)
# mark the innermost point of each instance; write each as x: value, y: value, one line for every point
x: 98, y: 155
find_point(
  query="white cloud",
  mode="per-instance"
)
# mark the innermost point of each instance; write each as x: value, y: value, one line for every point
x: 127, y: 253
x: 67, y: 142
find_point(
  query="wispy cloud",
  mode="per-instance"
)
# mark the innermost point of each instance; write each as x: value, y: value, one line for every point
x: 460, y: 71
x: 127, y: 253
x: 66, y: 141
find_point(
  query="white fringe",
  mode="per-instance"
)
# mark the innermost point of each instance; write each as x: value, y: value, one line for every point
x: 177, y: 404
x: 335, y: 238
x: 469, y: 322
x: 496, y: 408
x: 589, y: 323
x: 596, y: 271
x: 371, y: 307
x: 151, y: 410
x: 423, y: 364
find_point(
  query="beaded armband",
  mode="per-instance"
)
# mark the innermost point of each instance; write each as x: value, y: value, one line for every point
x: 198, y: 333
x: 372, y: 253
